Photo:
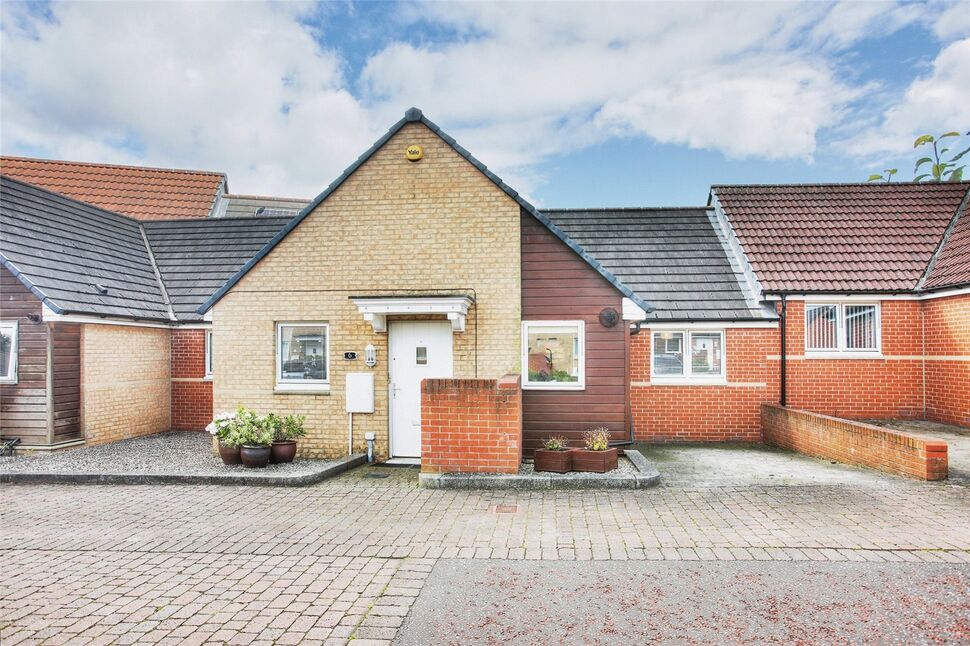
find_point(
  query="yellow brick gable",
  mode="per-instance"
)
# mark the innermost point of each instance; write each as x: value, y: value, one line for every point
x: 394, y: 227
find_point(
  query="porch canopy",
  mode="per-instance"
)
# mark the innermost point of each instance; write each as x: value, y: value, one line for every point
x: 376, y: 309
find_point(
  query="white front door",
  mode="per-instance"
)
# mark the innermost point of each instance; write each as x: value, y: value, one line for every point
x: 418, y: 350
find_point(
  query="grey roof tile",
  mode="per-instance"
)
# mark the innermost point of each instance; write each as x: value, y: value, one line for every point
x: 674, y: 259
x: 62, y: 249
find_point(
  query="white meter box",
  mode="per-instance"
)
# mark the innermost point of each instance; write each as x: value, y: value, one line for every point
x: 360, y: 392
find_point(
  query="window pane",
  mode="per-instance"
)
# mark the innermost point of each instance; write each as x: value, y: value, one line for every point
x: 303, y: 352
x: 554, y: 354
x: 668, y: 353
x: 705, y: 354
x: 821, y: 327
x: 7, y: 350
x: 860, y: 327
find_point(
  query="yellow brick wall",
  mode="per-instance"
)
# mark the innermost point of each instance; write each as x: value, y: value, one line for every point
x: 437, y: 226
x: 125, y: 382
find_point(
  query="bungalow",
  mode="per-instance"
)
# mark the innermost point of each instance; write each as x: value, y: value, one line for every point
x: 419, y: 266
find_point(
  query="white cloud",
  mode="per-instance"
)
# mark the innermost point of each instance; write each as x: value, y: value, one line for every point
x: 205, y: 84
x: 934, y: 103
x: 201, y: 85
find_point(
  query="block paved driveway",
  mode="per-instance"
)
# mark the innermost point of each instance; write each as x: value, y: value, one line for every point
x: 346, y: 559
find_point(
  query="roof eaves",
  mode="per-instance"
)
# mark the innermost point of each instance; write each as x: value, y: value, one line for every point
x: 414, y: 115
x: 12, y: 268
x: 960, y: 212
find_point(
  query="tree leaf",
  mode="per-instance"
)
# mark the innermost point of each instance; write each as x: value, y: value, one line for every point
x: 961, y: 154
x: 892, y: 171
x: 923, y: 139
x: 937, y: 171
x: 920, y: 178
x: 920, y: 162
x: 950, y: 134
x: 957, y: 175
x: 874, y: 178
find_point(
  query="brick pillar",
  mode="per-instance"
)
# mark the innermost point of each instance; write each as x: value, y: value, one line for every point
x: 471, y: 425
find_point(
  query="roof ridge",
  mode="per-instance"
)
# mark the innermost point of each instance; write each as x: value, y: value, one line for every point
x: 236, y: 218
x: 158, y: 274
x: 70, y: 199
x: 106, y: 165
x: 606, y: 209
x: 828, y: 184
x: 267, y: 197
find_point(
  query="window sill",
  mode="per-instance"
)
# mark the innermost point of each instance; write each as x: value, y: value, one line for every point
x: 8, y: 382
x: 844, y: 355
x: 207, y: 378
x: 660, y: 381
x: 558, y: 386
x: 302, y: 389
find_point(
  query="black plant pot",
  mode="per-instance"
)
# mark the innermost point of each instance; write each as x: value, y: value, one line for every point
x: 255, y: 457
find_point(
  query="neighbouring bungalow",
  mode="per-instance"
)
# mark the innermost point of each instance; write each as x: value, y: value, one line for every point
x: 421, y: 301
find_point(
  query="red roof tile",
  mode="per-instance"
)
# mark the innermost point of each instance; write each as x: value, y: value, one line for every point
x: 952, y: 266
x: 840, y: 237
x: 142, y: 193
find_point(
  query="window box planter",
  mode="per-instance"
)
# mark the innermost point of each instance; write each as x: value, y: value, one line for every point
x: 594, y: 461
x: 283, y: 451
x: 255, y: 457
x: 553, y: 461
x: 229, y: 454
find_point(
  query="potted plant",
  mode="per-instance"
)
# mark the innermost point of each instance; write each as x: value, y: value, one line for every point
x: 597, y: 457
x: 255, y: 437
x: 555, y: 456
x: 285, y: 432
x: 221, y: 428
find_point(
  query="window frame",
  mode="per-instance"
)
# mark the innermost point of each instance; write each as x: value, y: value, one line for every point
x: 14, y: 377
x: 303, y: 385
x: 580, y: 383
x: 688, y: 378
x: 208, y: 355
x: 842, y: 351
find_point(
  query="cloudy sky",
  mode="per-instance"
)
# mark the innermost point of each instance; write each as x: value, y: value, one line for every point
x: 573, y: 104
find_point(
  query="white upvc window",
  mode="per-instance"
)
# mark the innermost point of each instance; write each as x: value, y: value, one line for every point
x: 842, y: 329
x: 302, y: 357
x: 687, y: 356
x: 554, y: 355
x: 9, y: 341
x: 208, y: 354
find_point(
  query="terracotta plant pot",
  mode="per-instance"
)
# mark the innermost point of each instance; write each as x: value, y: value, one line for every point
x: 229, y: 454
x: 255, y: 457
x: 594, y: 461
x: 283, y: 452
x: 554, y: 461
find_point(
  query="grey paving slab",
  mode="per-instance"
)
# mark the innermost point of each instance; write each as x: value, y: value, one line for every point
x: 678, y: 603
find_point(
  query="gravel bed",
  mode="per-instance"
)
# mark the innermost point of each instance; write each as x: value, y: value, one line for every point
x: 624, y: 469
x: 181, y: 453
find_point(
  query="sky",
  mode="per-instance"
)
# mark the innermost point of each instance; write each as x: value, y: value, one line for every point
x: 572, y: 104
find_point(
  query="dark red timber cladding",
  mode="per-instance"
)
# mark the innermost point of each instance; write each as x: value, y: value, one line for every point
x: 23, y: 406
x: 558, y: 285
x: 67, y: 381
x: 191, y: 392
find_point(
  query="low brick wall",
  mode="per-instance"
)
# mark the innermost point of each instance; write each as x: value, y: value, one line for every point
x: 471, y: 425
x: 853, y: 443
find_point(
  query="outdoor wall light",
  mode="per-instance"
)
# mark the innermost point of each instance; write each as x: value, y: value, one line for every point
x: 370, y: 356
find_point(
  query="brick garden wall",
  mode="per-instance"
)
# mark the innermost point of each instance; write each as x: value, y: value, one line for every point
x: 707, y: 413
x: 125, y: 382
x: 471, y: 425
x: 191, y: 391
x: 853, y: 443
x: 947, y: 324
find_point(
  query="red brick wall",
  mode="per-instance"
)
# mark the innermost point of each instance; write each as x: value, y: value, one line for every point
x: 861, y: 388
x: 947, y: 322
x: 191, y: 393
x: 707, y: 413
x: 471, y: 425
x: 853, y: 443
